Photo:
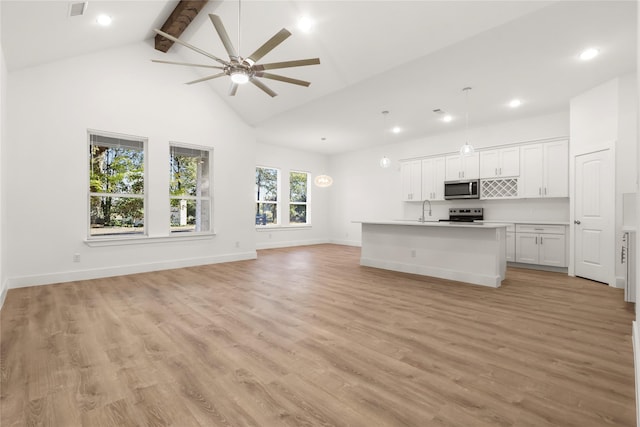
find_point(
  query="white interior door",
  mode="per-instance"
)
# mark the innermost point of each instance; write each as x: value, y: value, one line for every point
x: 594, y: 216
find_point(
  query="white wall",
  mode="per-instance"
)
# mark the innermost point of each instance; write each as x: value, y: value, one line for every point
x: 50, y: 108
x: 605, y: 117
x: 3, y: 86
x: 292, y: 160
x: 362, y: 190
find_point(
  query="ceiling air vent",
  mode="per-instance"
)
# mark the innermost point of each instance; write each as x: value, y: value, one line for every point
x: 77, y: 8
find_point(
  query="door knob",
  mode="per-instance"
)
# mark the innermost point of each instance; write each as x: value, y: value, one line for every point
x: 576, y: 222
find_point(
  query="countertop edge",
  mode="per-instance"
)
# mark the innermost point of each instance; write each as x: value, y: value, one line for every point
x: 525, y: 222
x: 477, y: 225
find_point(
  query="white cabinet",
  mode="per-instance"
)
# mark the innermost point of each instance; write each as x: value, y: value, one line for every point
x: 541, y: 244
x: 462, y: 167
x: 411, y: 180
x: 433, y: 175
x: 498, y: 163
x: 544, y: 170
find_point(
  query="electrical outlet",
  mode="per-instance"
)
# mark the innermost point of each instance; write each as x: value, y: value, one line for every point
x: 76, y: 257
x: 413, y: 253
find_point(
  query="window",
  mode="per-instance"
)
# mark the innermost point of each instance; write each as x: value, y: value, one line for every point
x: 298, y: 197
x: 189, y: 189
x: 116, y: 184
x: 267, y: 186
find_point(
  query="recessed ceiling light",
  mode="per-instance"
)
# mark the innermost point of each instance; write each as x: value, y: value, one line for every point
x: 103, y: 20
x: 447, y: 118
x: 515, y: 103
x: 396, y: 129
x: 589, y: 54
x: 305, y: 24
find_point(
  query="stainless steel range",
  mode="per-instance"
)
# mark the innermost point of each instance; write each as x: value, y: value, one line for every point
x: 465, y: 215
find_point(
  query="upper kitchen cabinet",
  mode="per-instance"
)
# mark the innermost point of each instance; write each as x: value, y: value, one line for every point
x: 433, y: 176
x: 544, y: 170
x: 500, y: 163
x: 462, y: 167
x: 411, y: 172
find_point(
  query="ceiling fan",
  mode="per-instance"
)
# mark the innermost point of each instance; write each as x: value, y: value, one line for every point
x: 243, y: 70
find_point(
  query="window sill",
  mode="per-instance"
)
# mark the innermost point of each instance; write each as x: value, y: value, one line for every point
x: 282, y: 227
x: 141, y: 240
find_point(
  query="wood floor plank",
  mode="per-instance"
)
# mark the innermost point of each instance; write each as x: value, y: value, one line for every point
x: 306, y: 336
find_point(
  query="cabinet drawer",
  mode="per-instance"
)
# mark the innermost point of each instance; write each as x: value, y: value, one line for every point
x: 540, y: 229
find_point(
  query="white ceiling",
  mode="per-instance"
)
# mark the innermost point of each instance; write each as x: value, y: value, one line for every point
x: 407, y: 57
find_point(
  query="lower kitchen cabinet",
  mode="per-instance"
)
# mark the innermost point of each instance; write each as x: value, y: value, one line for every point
x: 541, y: 244
x: 511, y: 243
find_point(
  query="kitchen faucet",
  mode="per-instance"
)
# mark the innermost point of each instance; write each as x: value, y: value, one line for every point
x: 423, y: 218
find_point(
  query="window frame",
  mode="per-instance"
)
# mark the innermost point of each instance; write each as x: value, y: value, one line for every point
x: 144, y: 196
x: 277, y: 202
x: 209, y: 198
x: 307, y: 204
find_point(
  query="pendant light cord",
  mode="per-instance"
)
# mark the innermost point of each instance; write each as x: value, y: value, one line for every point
x: 466, y: 134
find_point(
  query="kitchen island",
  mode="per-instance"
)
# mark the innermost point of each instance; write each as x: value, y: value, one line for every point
x: 467, y: 252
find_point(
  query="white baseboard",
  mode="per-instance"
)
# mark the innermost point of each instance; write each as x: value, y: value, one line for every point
x: 346, y: 242
x: 636, y: 365
x: 620, y: 282
x: 290, y: 243
x: 3, y: 293
x: 71, y: 276
x: 492, y: 281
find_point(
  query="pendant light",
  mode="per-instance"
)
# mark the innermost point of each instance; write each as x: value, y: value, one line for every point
x: 323, y: 180
x: 467, y: 149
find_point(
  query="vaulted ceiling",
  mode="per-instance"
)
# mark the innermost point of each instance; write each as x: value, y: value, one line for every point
x: 407, y: 57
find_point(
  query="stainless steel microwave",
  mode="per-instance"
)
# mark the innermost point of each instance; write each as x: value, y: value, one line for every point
x: 465, y: 189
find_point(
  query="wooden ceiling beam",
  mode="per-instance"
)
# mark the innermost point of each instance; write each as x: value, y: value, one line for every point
x: 178, y: 21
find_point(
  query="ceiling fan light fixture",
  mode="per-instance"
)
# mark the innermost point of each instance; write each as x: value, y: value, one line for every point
x: 305, y: 24
x: 239, y: 76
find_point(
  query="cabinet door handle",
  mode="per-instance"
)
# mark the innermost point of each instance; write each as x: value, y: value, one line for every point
x: 539, y: 191
x: 577, y: 222
x: 536, y: 240
x: 500, y: 170
x: 545, y: 191
x: 540, y: 239
x: 496, y: 173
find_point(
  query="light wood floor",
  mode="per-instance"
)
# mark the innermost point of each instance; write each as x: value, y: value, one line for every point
x: 306, y: 337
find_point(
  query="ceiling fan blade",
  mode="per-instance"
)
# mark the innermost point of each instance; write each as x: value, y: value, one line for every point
x: 186, y: 63
x: 215, y: 76
x: 187, y: 45
x: 224, y: 37
x: 287, y: 64
x: 263, y: 87
x: 268, y: 46
x: 233, y: 89
x: 283, y: 79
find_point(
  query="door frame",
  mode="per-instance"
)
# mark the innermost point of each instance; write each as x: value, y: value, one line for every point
x: 609, y: 146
